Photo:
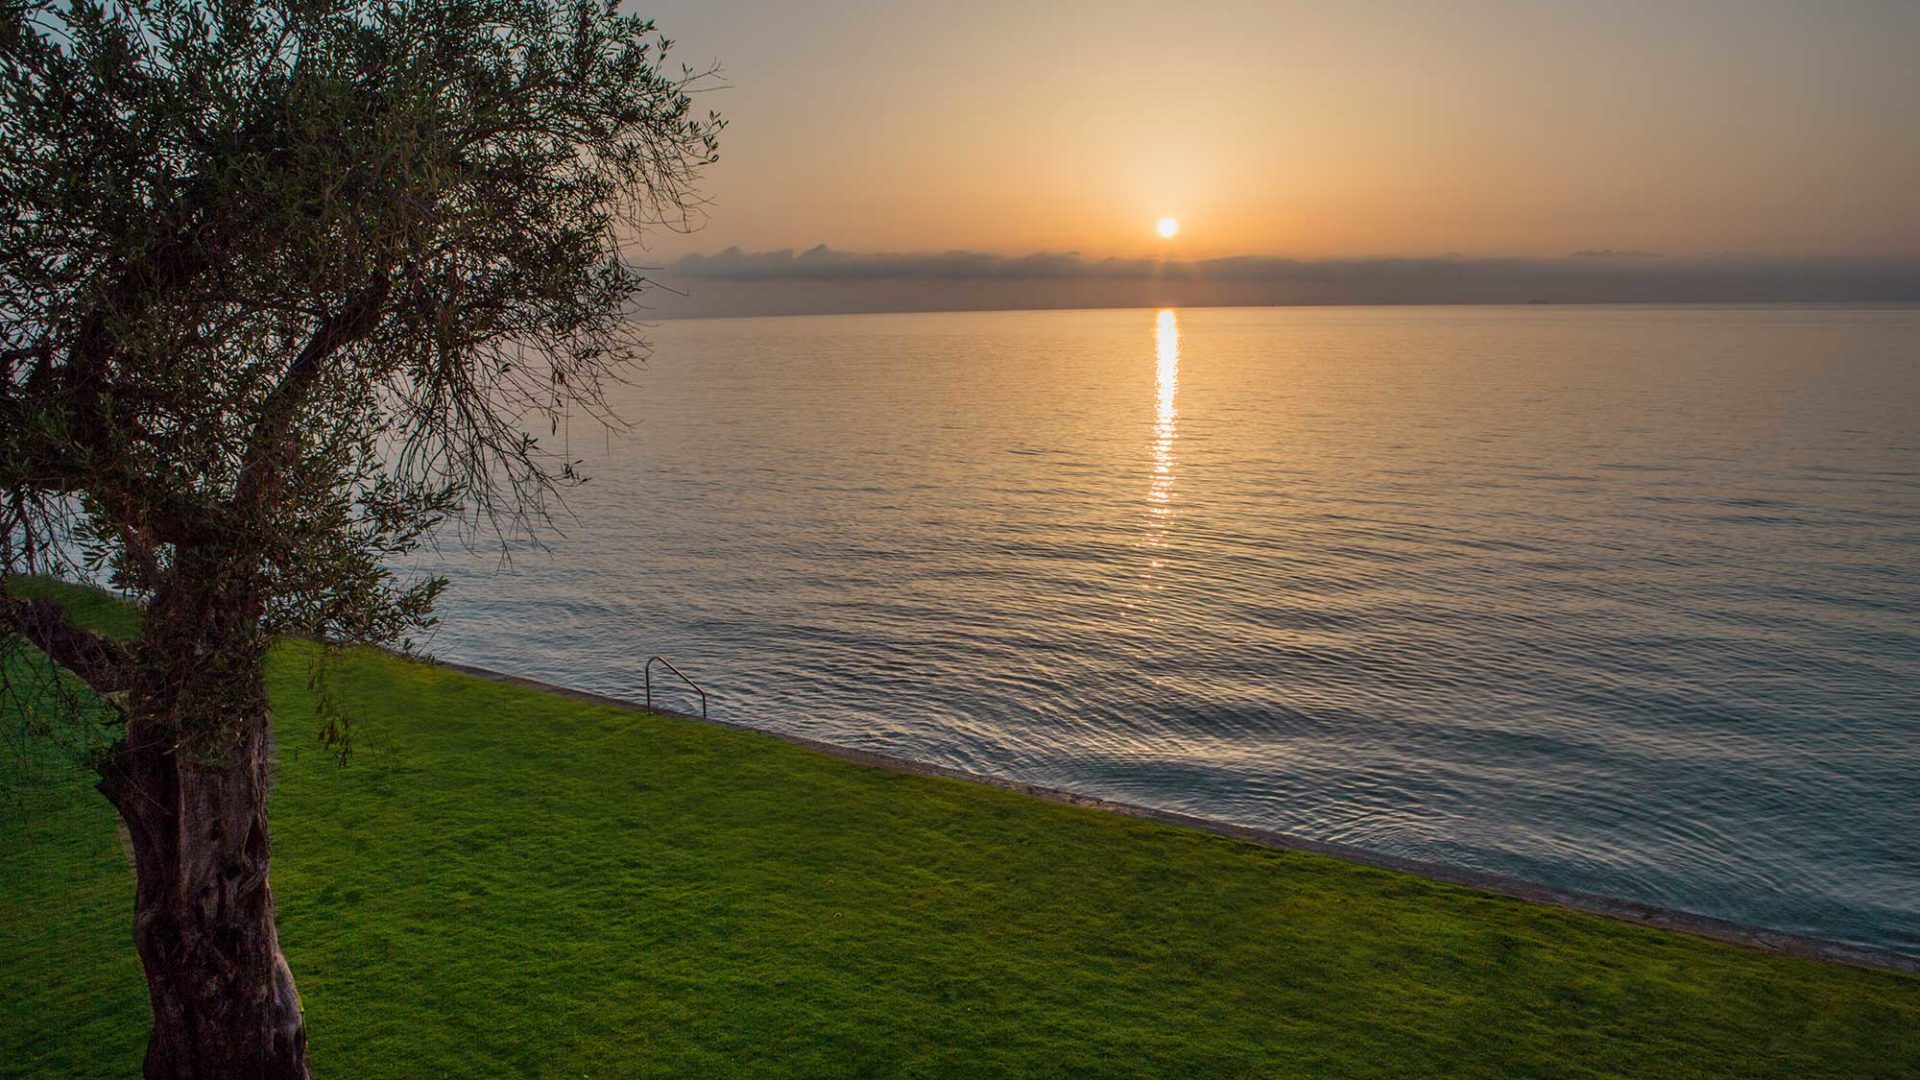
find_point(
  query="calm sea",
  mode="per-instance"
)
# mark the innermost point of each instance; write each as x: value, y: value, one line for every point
x: 1617, y: 599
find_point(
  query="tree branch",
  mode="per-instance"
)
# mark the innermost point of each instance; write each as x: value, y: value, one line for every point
x: 358, y: 318
x: 100, y: 662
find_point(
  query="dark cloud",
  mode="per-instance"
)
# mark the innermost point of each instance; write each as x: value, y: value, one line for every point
x: 823, y: 263
x: 825, y: 279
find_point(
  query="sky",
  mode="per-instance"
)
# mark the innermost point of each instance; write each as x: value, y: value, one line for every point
x: 1309, y: 131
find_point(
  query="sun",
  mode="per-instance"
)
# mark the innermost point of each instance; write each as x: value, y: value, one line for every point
x: 1167, y: 227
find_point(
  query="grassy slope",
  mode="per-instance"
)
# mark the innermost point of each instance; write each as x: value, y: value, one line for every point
x: 506, y: 882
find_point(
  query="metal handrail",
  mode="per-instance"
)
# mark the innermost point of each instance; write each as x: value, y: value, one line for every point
x: 647, y: 675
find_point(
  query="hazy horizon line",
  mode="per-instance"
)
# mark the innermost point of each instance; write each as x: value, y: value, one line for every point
x: 825, y: 280
x: 825, y: 263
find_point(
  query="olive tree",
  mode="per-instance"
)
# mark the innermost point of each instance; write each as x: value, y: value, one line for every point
x: 284, y: 286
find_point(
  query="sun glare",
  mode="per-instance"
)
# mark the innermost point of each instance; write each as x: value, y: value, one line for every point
x: 1167, y: 227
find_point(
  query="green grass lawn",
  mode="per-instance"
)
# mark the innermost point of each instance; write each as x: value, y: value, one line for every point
x: 507, y: 882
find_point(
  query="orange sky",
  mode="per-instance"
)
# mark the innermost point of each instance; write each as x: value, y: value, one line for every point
x: 1311, y: 129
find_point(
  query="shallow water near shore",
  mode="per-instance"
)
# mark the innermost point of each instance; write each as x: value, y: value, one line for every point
x: 1616, y: 599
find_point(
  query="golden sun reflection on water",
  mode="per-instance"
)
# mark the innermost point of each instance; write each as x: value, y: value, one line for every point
x: 1166, y: 348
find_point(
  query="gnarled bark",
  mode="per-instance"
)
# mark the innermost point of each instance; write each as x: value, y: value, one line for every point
x: 223, y: 999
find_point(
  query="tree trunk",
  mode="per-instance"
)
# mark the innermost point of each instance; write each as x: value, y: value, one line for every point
x: 223, y: 998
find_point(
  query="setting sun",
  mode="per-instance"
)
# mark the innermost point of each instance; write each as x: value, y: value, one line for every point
x: 1167, y: 227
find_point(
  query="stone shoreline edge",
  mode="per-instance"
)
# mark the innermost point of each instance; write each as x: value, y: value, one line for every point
x: 1629, y: 911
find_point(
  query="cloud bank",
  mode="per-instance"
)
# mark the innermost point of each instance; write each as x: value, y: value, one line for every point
x: 823, y: 279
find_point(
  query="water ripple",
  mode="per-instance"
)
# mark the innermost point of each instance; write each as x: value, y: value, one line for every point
x: 1621, y: 600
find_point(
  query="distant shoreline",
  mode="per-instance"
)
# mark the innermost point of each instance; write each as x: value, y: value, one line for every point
x: 666, y: 314
x: 823, y: 280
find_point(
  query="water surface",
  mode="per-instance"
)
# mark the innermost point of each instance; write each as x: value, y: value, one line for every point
x: 1617, y: 599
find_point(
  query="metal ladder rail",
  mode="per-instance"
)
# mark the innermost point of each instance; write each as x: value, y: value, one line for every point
x: 647, y: 675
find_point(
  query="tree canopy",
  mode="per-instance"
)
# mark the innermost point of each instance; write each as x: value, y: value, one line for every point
x: 302, y: 278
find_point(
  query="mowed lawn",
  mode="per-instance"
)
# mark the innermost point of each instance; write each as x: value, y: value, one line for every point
x: 503, y: 882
